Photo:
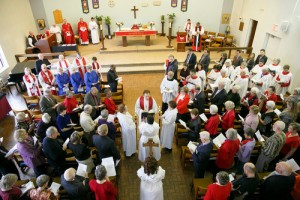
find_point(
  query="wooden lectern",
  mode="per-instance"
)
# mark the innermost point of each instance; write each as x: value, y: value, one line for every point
x: 181, y: 41
x: 44, y: 45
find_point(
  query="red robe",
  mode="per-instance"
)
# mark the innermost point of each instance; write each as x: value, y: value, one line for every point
x: 104, y: 191
x: 110, y: 105
x: 272, y: 97
x: 84, y: 35
x: 68, y: 34
x: 215, y: 191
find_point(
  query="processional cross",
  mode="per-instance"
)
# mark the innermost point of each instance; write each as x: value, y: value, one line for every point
x: 134, y: 10
x: 150, y: 144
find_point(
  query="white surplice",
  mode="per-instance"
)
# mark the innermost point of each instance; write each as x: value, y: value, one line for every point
x: 172, y: 86
x: 151, y: 185
x: 202, y: 76
x: 65, y: 64
x: 226, y: 80
x: 283, y: 78
x: 243, y: 83
x: 213, y: 75
x: 139, y: 110
x: 93, y: 26
x: 128, y: 133
x: 192, y: 83
x: 168, y: 128
x: 149, y: 131
x: 264, y: 82
x: 237, y: 72
x: 56, y: 30
x: 32, y: 85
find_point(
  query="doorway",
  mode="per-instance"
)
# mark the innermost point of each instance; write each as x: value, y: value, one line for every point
x: 252, y: 28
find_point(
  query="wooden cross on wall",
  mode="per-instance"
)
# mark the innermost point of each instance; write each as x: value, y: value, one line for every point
x: 150, y: 144
x: 134, y: 10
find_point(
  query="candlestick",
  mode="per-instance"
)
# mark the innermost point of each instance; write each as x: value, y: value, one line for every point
x: 170, y: 25
x: 101, y: 27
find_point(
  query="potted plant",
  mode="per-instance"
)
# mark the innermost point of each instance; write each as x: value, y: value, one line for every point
x: 171, y: 17
x: 99, y: 19
x: 162, y: 18
x: 108, y: 22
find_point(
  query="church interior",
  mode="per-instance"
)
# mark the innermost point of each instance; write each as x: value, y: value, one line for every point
x: 141, y: 65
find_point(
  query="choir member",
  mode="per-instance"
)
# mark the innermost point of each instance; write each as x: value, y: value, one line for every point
x: 91, y: 79
x: 93, y: 26
x: 63, y: 82
x: 76, y: 81
x: 31, y: 83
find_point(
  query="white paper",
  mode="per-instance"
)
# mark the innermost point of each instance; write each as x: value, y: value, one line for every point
x: 167, y: 91
x: 53, y: 88
x: 109, y: 164
x: 190, y: 102
x: 231, y: 178
x: 182, y: 123
x: 241, y: 118
x: 72, y: 124
x: 34, y: 139
x: 76, y: 109
x: 27, y: 187
x: 293, y: 164
x: 66, y: 143
x: 213, y: 85
x: 239, y: 137
x: 1, y: 139
x: 259, y: 114
x: 192, y: 146
x: 80, y: 89
x: 11, y: 151
x: 203, y: 117
x: 117, y: 162
x: 54, y: 188
x: 259, y: 137
x: 81, y: 170
x: 218, y: 141
x: 254, y: 80
x: 281, y: 96
x: 119, y: 78
x: 278, y: 112
x: 111, y: 118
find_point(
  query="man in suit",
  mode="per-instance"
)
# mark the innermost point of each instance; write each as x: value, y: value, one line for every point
x: 219, y: 96
x: 104, y: 145
x: 201, y: 154
x: 205, y: 60
x: 237, y: 59
x: 93, y: 98
x: 39, y: 62
x: 111, y: 78
x: 172, y: 65
x: 48, y: 104
x: 199, y: 100
x: 191, y: 59
x: 261, y: 56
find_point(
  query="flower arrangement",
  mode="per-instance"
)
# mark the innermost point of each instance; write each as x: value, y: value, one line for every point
x: 119, y: 24
x: 152, y: 23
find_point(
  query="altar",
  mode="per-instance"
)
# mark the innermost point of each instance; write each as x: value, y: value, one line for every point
x: 135, y: 33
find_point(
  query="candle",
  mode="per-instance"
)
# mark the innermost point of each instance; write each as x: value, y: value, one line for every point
x: 100, y: 27
x: 170, y: 25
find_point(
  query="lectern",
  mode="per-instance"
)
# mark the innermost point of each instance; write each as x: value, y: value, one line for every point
x: 181, y: 40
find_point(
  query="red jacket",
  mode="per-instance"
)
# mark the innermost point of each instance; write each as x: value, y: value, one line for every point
x: 70, y: 104
x: 226, y: 154
x: 182, y: 104
x: 110, y: 105
x: 272, y: 97
x: 228, y: 120
x: 212, y: 124
x: 218, y: 192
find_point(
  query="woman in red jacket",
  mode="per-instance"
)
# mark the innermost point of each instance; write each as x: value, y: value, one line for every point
x: 219, y: 190
x: 228, y: 117
x: 213, y: 122
x: 109, y: 102
x: 70, y: 103
x: 182, y: 101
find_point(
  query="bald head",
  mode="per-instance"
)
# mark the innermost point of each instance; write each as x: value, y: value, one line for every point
x: 283, y: 168
x: 69, y: 174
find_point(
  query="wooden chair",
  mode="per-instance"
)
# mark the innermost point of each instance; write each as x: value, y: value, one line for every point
x: 179, y: 129
x: 79, y: 98
x: 117, y: 97
x: 31, y: 101
x: 220, y: 35
x: 228, y: 42
x: 59, y: 99
x: 27, y: 114
x: 200, y: 186
x: 211, y: 33
x: 218, y: 42
x: 36, y: 115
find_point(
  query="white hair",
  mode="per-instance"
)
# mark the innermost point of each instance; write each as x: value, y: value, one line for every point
x: 237, y: 87
x: 46, y: 118
x: 204, y: 135
x: 50, y: 131
x: 255, y: 90
x: 228, y: 61
x: 87, y: 108
x: 229, y: 105
x: 213, y: 109
x: 270, y: 104
x: 280, y: 125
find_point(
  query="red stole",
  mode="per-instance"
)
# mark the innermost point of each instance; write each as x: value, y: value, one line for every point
x: 79, y: 67
x: 28, y: 79
x: 188, y: 27
x: 196, y: 27
x: 95, y: 66
x: 142, y: 103
x: 67, y: 66
x: 46, y: 79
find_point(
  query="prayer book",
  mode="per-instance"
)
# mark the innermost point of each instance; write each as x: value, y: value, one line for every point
x: 26, y: 187
x: 239, y: 137
x: 1, y: 139
x: 66, y: 143
x: 54, y: 188
x: 242, y: 119
x: 259, y: 137
x: 11, y: 151
x: 278, y: 112
x: 109, y: 164
x: 218, y: 141
x: 183, y: 123
x: 231, y: 178
x: 72, y: 124
x: 81, y: 170
x: 192, y: 146
x: 293, y: 164
x: 203, y: 117
x: 111, y: 118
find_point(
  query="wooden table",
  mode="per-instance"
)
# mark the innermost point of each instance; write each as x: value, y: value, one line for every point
x: 135, y: 33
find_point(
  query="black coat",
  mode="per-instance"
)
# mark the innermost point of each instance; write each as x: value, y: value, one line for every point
x: 201, y: 159
x: 76, y: 189
x: 106, y: 147
x: 259, y: 57
x: 205, y: 61
x: 219, y: 99
x: 38, y: 65
x: 198, y: 102
x: 192, y: 61
x: 173, y: 66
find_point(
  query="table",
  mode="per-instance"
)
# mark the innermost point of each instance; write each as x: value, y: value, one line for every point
x: 133, y: 33
x: 4, y: 106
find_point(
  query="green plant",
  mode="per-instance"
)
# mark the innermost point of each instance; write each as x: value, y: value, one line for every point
x: 99, y: 18
x: 107, y: 20
x: 162, y: 18
x: 171, y: 16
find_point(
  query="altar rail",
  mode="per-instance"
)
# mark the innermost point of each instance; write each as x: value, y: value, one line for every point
x: 249, y: 49
x: 18, y: 56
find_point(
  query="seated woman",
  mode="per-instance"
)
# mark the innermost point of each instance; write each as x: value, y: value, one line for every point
x: 101, y: 186
x: 111, y: 127
x: 228, y: 117
x: 30, y: 151
x: 109, y: 102
x: 70, y: 103
x: 252, y: 119
x: 249, y: 100
x: 76, y: 81
x: 63, y: 122
x: 42, y: 192
x: 22, y: 123
x: 151, y: 175
x: 234, y: 96
x: 182, y: 101
x: 292, y: 142
x: 43, y: 125
x: 81, y: 152
x: 185, y: 72
x: 223, y: 58
x: 219, y: 190
x: 211, y: 125
x: 266, y: 119
x: 7, y: 189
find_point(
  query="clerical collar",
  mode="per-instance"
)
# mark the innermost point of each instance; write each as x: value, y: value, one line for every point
x: 170, y: 79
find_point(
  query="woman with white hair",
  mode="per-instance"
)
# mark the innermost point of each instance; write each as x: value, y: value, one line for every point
x: 42, y: 126
x: 237, y: 71
x: 225, y: 79
x: 234, y: 96
x: 227, y: 120
x: 211, y: 125
x: 42, y: 192
x: 250, y: 99
x: 266, y: 119
x: 30, y: 151
x: 22, y: 123
x: 228, y: 68
x: 214, y: 74
x: 76, y: 81
x: 91, y: 79
x: 242, y: 80
x: 8, y: 190
x: 31, y: 83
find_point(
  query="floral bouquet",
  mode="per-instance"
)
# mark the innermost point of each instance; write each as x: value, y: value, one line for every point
x: 152, y: 23
x: 119, y: 24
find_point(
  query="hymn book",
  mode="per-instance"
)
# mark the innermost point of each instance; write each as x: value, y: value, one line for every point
x: 109, y: 164
x: 66, y: 143
x: 293, y: 164
x: 81, y: 170
x: 54, y: 188
x: 242, y: 119
x: 192, y: 146
x: 26, y: 187
x: 203, y: 117
x: 218, y: 141
x: 11, y: 151
x: 259, y: 137
x: 183, y: 123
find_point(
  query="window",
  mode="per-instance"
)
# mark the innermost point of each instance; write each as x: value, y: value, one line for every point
x: 3, y: 62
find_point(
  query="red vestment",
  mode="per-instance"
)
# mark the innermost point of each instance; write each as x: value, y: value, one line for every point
x: 182, y: 103
x: 68, y: 34
x: 104, y: 191
x: 142, y: 104
x: 197, y: 42
x: 110, y: 105
x: 212, y: 124
x: 83, y: 31
x: 228, y: 120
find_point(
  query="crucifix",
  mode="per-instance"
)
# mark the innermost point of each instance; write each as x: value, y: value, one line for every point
x: 134, y: 10
x: 150, y: 144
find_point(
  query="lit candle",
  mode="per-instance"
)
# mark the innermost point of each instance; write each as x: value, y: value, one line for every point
x: 170, y: 25
x: 101, y: 27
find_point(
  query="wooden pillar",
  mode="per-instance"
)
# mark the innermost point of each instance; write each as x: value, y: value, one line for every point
x: 170, y: 37
x: 147, y: 40
x: 124, y: 40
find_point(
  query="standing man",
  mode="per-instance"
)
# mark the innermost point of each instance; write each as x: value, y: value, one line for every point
x: 191, y: 59
x: 172, y: 65
x: 81, y: 62
x: 48, y: 104
x: 237, y: 59
x: 197, y: 32
x: 39, y: 62
x: 83, y: 32
x: 188, y: 29
x: 93, y: 26
x: 56, y: 30
x: 93, y: 98
x: 199, y: 99
x: 112, y: 78
x: 219, y: 96
x: 168, y: 89
x: 145, y: 103
x: 205, y: 60
x: 87, y: 124
x: 262, y: 57
x: 68, y: 33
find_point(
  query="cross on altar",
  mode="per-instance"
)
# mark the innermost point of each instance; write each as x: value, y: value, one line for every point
x: 134, y: 10
x: 150, y: 144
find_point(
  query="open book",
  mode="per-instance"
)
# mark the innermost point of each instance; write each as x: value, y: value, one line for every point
x: 11, y: 151
x: 239, y: 137
x: 293, y: 164
x: 54, y: 188
x: 66, y: 143
x: 278, y: 112
x: 203, y: 117
x: 231, y: 178
x: 183, y: 123
x: 167, y: 91
x: 259, y: 137
x: 81, y: 170
x: 26, y: 187
x: 192, y: 146
x: 218, y: 141
x: 109, y: 164
x: 111, y: 118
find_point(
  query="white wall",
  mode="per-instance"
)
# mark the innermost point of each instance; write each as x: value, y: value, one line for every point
x: 16, y: 21
x: 267, y: 13
x: 226, y: 9
x: 207, y: 12
x: 38, y: 11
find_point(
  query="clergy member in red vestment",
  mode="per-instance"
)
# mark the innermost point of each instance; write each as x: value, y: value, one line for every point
x: 81, y: 63
x: 145, y: 103
x: 31, y: 83
x: 188, y: 29
x: 64, y: 64
x: 83, y: 32
x: 67, y: 33
x: 109, y: 102
x: 96, y: 66
x: 197, y: 32
x: 47, y: 79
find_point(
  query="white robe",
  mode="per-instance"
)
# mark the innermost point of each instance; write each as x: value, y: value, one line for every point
x: 202, y: 75
x: 151, y: 186
x: 264, y: 82
x: 57, y: 32
x: 197, y: 33
x: 43, y: 83
x: 276, y: 68
x: 172, y: 86
x: 93, y: 26
x: 191, y: 85
x: 32, y: 86
x: 149, y: 131
x: 284, y: 79
x: 212, y: 77
x: 128, y: 133
x: 237, y: 72
x: 188, y: 30
x: 243, y: 83
x: 139, y: 110
x: 229, y: 71
x: 168, y: 128
x: 64, y: 66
